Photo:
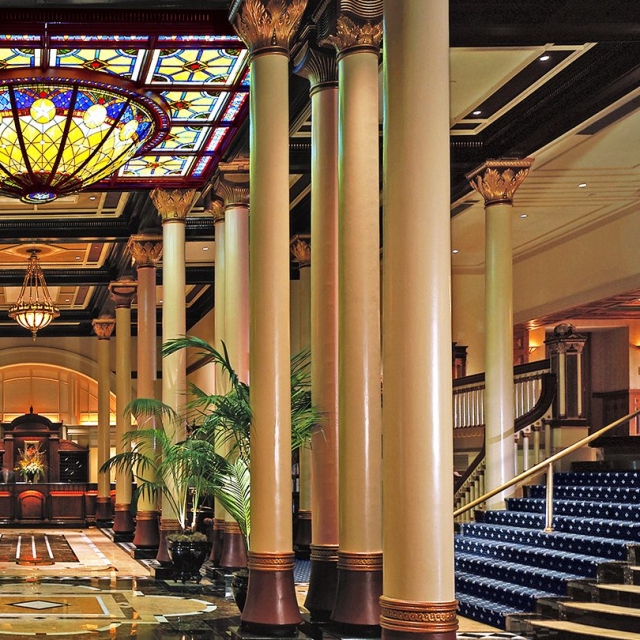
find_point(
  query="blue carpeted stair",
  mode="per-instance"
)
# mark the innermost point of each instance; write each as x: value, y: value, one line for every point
x: 506, y: 562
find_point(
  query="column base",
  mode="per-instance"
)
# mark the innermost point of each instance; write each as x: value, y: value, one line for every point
x: 413, y: 620
x: 123, y: 524
x: 302, y: 540
x: 357, y: 605
x: 167, y: 526
x: 103, y: 509
x: 323, y: 582
x: 217, y: 541
x: 234, y: 549
x: 147, y: 533
x: 271, y: 608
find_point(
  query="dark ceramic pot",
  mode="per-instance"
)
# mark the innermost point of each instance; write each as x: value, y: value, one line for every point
x: 187, y: 558
x: 239, y: 587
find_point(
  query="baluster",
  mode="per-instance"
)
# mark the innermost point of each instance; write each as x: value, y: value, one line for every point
x: 548, y: 525
x: 516, y: 440
x: 536, y: 443
x: 525, y: 448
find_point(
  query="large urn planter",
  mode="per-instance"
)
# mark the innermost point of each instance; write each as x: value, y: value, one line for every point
x: 188, y: 551
x: 239, y: 587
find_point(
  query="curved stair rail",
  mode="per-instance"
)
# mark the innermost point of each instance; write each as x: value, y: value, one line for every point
x: 541, y: 467
x: 535, y: 388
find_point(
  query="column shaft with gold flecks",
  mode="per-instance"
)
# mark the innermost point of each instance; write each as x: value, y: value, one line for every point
x: 418, y: 598
x: 146, y: 251
x: 173, y: 207
x: 122, y: 292
x: 497, y: 181
x: 103, y: 328
x: 267, y: 28
x: 360, y: 414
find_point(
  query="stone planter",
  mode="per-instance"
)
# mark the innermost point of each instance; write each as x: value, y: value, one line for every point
x: 187, y: 557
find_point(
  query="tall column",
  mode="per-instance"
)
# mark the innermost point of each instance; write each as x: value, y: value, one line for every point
x: 234, y: 190
x: 173, y: 207
x: 103, y: 328
x: 146, y: 251
x: 418, y: 598
x: 497, y: 181
x: 301, y: 250
x: 360, y: 413
x: 321, y: 70
x: 122, y: 292
x: 267, y: 28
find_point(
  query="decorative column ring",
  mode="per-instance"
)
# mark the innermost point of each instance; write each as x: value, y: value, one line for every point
x: 497, y: 180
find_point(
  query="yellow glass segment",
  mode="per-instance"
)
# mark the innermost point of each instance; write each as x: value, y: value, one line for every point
x: 157, y: 166
x: 200, y: 66
x: 113, y: 61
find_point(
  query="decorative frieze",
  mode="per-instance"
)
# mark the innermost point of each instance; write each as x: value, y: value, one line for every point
x: 300, y: 246
x: 351, y: 34
x: 497, y: 180
x: 173, y: 205
x: 418, y: 617
x: 103, y: 327
x: 268, y: 24
x: 146, y: 250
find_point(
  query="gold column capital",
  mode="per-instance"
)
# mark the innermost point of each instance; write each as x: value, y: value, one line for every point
x: 173, y: 205
x: 146, y: 250
x: 354, y: 34
x: 300, y: 246
x: 234, y: 190
x: 318, y: 67
x: 268, y: 25
x: 216, y: 211
x: 497, y: 180
x: 103, y: 327
x: 122, y: 292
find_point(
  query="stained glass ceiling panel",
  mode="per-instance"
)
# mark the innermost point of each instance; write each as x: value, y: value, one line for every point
x: 201, y: 75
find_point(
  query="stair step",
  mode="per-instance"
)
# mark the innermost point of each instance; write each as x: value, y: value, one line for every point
x: 616, y: 493
x: 579, y: 508
x: 627, y: 588
x: 583, y: 629
x: 482, y: 610
x: 600, y: 614
x: 601, y: 607
x: 598, y: 478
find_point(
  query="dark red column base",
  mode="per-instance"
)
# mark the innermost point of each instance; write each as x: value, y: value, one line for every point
x: 271, y: 608
x: 167, y: 527
x: 123, y: 520
x: 323, y: 585
x: 147, y: 532
x: 302, y: 540
x: 104, y: 512
x: 389, y: 634
x: 217, y: 541
x: 234, y: 551
x: 357, y: 605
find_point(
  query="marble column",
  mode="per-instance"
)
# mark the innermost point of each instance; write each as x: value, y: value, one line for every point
x: 497, y: 181
x: 418, y: 598
x: 173, y: 207
x: 267, y: 28
x: 234, y: 190
x: 301, y: 250
x: 360, y: 413
x: 146, y: 250
x: 321, y: 70
x: 103, y: 328
x: 122, y: 293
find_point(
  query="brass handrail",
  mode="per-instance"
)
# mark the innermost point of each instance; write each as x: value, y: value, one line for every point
x: 542, y: 466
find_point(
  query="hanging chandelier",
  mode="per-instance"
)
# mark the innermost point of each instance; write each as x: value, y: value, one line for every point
x: 63, y: 131
x: 34, y: 308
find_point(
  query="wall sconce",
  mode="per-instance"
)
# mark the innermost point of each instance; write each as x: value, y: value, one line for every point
x: 533, y: 347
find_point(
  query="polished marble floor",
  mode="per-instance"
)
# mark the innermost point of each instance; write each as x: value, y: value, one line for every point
x: 107, y: 594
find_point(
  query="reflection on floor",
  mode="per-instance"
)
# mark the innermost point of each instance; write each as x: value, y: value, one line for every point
x: 110, y: 595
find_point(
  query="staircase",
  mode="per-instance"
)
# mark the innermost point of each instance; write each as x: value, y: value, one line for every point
x: 552, y: 586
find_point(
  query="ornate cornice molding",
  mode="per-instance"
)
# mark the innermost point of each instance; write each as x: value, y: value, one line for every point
x: 351, y: 34
x: 418, y: 617
x: 268, y: 25
x: 103, y: 327
x: 173, y: 205
x: 318, y: 67
x: 498, y: 180
x: 363, y: 9
x: 300, y: 246
x: 146, y: 250
x: 122, y: 292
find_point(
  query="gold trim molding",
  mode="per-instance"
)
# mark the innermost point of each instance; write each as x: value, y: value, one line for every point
x: 324, y: 552
x: 418, y: 617
x: 354, y: 35
x: 270, y: 561
x: 145, y: 250
x: 356, y: 561
x: 498, y: 180
x: 232, y: 528
x: 173, y: 205
x: 268, y: 24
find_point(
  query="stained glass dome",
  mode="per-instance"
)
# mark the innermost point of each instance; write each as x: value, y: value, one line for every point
x: 62, y: 133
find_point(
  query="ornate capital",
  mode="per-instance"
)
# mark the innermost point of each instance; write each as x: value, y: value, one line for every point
x: 173, y: 205
x: 318, y: 67
x: 301, y: 250
x: 418, y: 617
x: 351, y: 34
x: 497, y: 180
x: 216, y: 210
x: 122, y: 292
x: 268, y: 24
x: 146, y: 250
x: 565, y: 340
x: 234, y: 190
x: 103, y: 327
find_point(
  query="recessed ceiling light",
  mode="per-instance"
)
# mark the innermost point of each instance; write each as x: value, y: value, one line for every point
x: 477, y: 112
x: 523, y: 215
x: 92, y: 197
x: 67, y: 300
x: 544, y: 58
x: 77, y: 257
x: 205, y: 248
x: 582, y: 185
x: 455, y: 251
